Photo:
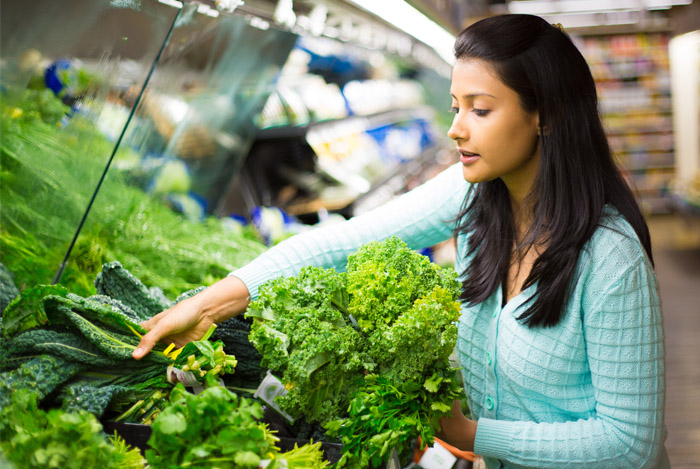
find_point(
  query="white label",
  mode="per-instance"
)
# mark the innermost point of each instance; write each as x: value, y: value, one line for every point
x: 176, y: 375
x: 437, y: 457
x: 269, y: 388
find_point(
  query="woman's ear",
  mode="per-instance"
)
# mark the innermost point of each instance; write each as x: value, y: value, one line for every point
x: 541, y: 130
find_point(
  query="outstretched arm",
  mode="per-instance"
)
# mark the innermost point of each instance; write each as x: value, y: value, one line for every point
x: 422, y: 217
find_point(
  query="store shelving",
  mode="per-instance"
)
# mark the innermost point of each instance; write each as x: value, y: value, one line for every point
x: 345, y: 152
x: 633, y: 80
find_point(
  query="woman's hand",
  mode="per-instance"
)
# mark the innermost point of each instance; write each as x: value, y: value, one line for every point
x: 190, y: 319
x: 458, y: 430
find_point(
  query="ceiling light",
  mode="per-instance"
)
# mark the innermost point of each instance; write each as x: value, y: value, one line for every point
x: 545, y: 7
x: 406, y: 18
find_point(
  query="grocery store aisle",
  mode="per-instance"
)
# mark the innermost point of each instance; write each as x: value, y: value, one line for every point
x: 676, y: 247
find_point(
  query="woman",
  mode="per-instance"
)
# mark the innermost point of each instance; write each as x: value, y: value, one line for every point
x: 560, y: 337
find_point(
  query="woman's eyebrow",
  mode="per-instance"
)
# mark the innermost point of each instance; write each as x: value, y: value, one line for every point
x: 474, y: 95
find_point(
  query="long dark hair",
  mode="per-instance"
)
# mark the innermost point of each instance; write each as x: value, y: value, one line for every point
x: 576, y: 177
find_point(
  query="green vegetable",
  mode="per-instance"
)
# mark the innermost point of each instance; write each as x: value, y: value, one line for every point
x: 215, y: 428
x: 41, y: 375
x: 47, y: 174
x: 8, y: 290
x: 392, y: 315
x: 383, y: 416
x: 32, y: 438
x: 128, y: 312
x: 27, y: 310
x: 309, y: 456
x: 233, y: 333
x: 65, y: 344
x: 305, y: 337
x: 118, y: 283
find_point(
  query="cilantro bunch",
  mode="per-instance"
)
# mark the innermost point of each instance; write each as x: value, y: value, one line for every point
x: 332, y: 337
x: 31, y: 437
x: 214, y: 429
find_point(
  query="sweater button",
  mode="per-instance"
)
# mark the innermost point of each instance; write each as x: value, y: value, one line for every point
x: 488, y: 358
x: 489, y: 403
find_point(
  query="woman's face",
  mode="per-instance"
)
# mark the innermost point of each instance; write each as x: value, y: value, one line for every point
x: 495, y: 136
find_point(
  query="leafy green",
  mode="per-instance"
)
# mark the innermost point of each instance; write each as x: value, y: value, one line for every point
x: 41, y: 375
x: 118, y: 283
x: 47, y: 175
x: 54, y: 335
x: 32, y: 438
x: 302, y: 334
x: 215, y: 429
x: 391, y: 318
x: 27, y: 310
x: 308, y: 456
x: 8, y: 289
x: 65, y: 344
x: 383, y: 416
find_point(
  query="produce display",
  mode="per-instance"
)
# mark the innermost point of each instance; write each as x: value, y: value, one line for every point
x: 77, y: 351
x: 72, y: 355
x: 364, y: 352
x: 32, y: 437
x: 217, y: 429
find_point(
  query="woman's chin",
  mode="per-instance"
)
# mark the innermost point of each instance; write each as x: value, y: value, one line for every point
x: 473, y: 176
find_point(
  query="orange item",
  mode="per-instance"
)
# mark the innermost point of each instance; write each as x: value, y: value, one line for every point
x: 468, y: 455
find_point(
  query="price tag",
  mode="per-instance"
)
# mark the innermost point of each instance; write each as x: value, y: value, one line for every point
x: 269, y: 388
x: 437, y: 457
x: 187, y: 378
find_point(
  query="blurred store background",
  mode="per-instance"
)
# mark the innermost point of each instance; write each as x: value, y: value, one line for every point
x: 182, y: 138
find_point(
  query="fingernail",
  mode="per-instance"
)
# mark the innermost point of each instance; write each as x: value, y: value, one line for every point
x: 138, y: 351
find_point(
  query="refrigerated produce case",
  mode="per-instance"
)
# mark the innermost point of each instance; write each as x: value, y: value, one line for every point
x: 125, y: 125
x: 121, y: 123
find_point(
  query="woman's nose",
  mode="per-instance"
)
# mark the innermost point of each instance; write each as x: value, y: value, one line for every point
x: 457, y: 130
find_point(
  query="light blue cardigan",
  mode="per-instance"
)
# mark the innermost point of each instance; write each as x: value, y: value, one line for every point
x: 588, y: 392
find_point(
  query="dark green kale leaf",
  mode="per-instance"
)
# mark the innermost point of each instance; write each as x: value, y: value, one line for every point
x: 64, y: 344
x: 118, y: 283
x: 41, y: 375
x: 8, y: 289
x: 27, y: 310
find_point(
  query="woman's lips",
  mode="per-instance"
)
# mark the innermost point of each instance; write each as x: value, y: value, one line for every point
x: 467, y: 158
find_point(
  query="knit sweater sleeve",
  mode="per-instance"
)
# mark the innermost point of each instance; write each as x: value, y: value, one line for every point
x: 622, y: 326
x: 421, y: 217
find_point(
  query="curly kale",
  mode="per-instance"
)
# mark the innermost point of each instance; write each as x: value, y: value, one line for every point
x: 393, y: 314
x: 386, y: 278
x: 304, y: 334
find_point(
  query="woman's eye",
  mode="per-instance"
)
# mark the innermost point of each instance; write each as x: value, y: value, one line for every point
x: 481, y: 112
x: 453, y: 110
